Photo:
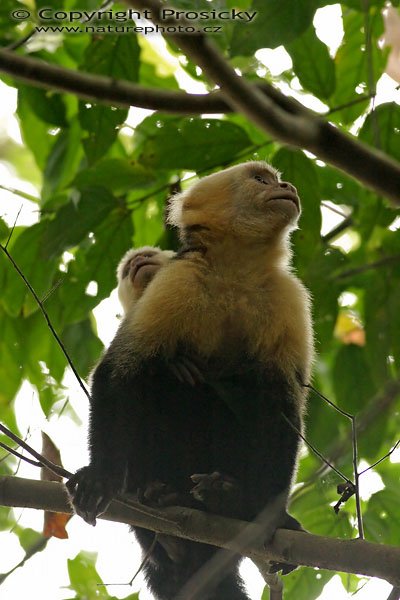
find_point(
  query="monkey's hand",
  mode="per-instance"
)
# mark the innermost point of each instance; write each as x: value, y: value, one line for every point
x: 289, y: 522
x: 218, y: 492
x: 186, y: 370
x: 91, y: 493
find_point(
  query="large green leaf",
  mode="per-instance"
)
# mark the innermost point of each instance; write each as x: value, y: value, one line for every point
x: 76, y: 219
x: 84, y: 347
x: 27, y: 252
x: 382, y: 129
x: 46, y: 105
x: 351, y: 366
x: 63, y: 160
x: 35, y: 132
x: 118, y: 57
x: 355, y: 65
x: 303, y: 584
x: 312, y: 64
x: 190, y: 143
x: 277, y: 22
x: 117, y: 174
x: 12, y: 359
x: 301, y: 172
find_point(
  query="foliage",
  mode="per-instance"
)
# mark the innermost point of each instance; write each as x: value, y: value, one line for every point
x: 103, y: 188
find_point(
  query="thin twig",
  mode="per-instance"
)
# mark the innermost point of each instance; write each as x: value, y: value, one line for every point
x: 19, y: 455
x: 342, y: 226
x: 13, y: 227
x: 313, y: 448
x: 355, y: 455
x: 21, y: 42
x: 349, y: 104
x: 144, y: 561
x: 43, y: 462
x: 381, y: 459
x: 382, y: 262
x: 46, y: 316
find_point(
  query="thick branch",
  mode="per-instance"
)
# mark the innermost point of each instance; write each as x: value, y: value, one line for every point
x: 354, y: 556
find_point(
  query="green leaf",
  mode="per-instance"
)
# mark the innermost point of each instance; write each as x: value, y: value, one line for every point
x: 118, y: 57
x: 382, y: 514
x: 300, y: 171
x: 101, y: 124
x: 12, y: 357
x: 114, y: 55
x: 360, y: 5
x: 354, y: 64
x: 277, y: 22
x: 28, y: 538
x: 304, y: 584
x: 380, y: 305
x: 116, y: 174
x: 75, y: 220
x: 27, y: 252
x: 382, y: 129
x: 312, y: 506
x: 312, y: 64
x: 84, y: 347
x: 4, y: 231
x: 352, y: 379
x: 318, y: 275
x: 84, y: 578
x: 113, y: 238
x: 185, y: 143
x: 46, y: 105
x: 148, y: 221
x: 63, y: 160
x: 34, y: 130
x: 340, y: 188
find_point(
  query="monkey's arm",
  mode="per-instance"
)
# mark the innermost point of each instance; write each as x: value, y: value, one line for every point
x: 110, y: 437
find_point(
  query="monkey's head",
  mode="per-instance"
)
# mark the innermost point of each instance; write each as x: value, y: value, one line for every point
x: 135, y: 271
x: 247, y: 201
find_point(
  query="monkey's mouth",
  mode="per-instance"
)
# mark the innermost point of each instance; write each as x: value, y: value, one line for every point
x: 136, y: 266
x: 285, y: 195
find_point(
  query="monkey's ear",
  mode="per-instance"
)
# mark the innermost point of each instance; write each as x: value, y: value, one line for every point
x: 174, y: 211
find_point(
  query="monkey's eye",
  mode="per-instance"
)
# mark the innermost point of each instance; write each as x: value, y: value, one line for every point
x: 260, y: 179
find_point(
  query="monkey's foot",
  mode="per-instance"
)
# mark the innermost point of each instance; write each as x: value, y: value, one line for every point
x: 159, y: 495
x: 218, y: 492
x: 91, y: 493
x: 289, y: 522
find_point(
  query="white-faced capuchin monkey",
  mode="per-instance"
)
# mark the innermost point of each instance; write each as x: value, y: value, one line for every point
x: 229, y: 301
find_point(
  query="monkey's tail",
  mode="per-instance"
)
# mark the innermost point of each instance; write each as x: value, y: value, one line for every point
x: 173, y: 562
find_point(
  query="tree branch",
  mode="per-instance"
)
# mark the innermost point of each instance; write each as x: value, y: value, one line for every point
x: 354, y: 556
x: 376, y: 170
x: 285, y: 118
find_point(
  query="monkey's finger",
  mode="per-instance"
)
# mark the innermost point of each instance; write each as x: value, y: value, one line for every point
x: 176, y: 372
x: 195, y: 372
x: 186, y: 374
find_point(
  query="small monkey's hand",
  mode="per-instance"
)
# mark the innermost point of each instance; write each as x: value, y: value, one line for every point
x: 186, y: 370
x: 91, y: 494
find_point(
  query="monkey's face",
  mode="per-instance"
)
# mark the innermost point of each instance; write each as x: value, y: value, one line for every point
x: 264, y: 204
x: 247, y: 200
x: 135, y: 271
